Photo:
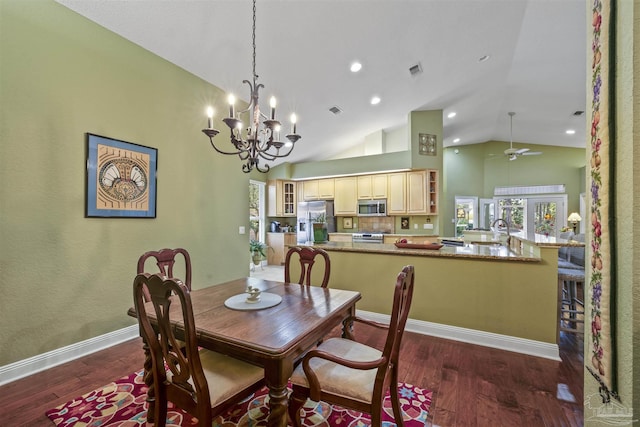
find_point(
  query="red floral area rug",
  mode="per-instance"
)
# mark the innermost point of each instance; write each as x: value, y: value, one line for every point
x: 122, y: 403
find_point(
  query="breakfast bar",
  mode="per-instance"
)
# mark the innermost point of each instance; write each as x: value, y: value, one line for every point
x: 486, y: 293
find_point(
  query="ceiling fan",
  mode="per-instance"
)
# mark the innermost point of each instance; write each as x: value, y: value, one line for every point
x: 513, y: 153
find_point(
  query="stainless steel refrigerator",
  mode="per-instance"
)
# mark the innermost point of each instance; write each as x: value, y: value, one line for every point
x: 319, y: 213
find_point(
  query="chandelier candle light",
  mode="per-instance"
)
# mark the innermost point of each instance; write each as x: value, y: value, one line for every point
x: 260, y: 142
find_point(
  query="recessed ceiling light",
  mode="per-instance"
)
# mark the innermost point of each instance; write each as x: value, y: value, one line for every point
x: 375, y: 100
x: 451, y: 114
x: 570, y: 132
x: 355, y: 67
x: 484, y: 58
x: 455, y: 141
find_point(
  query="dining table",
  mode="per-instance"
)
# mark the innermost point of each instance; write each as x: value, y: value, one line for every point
x: 274, y: 334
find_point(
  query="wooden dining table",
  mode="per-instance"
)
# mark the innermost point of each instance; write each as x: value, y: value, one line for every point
x: 273, y: 338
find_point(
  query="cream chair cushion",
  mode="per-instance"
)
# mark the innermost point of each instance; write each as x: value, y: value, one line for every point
x: 340, y: 380
x: 225, y: 375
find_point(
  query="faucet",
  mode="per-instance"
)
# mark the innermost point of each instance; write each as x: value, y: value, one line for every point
x: 506, y: 223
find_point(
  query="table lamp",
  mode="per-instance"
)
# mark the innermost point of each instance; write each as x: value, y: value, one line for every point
x: 574, y: 219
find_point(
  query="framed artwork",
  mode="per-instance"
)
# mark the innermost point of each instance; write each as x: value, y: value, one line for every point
x: 427, y: 144
x: 404, y: 223
x: 121, y: 179
x: 347, y: 222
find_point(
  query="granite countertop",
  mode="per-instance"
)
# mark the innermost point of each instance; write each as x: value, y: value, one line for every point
x: 387, y: 234
x: 472, y: 251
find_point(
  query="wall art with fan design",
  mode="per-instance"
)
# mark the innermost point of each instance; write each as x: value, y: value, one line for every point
x: 121, y: 179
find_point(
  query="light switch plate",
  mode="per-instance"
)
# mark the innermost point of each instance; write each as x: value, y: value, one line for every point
x: 241, y: 229
x: 427, y: 226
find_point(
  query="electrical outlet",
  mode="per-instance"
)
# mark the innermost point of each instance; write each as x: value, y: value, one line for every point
x: 415, y: 226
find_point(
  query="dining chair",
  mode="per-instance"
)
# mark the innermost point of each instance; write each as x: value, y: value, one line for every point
x: 165, y: 260
x: 353, y: 375
x: 201, y: 382
x: 306, y: 255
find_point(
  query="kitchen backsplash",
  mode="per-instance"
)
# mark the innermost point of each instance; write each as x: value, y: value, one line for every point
x: 377, y: 224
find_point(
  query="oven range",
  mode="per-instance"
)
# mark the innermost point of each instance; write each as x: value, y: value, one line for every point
x: 367, y: 238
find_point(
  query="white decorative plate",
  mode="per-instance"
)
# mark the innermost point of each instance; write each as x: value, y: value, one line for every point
x: 240, y: 301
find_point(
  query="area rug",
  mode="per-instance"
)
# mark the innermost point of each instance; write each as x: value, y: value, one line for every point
x: 122, y: 403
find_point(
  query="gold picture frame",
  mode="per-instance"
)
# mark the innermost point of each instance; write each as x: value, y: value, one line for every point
x: 347, y: 222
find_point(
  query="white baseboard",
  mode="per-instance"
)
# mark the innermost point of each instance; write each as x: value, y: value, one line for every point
x: 472, y: 336
x: 41, y: 362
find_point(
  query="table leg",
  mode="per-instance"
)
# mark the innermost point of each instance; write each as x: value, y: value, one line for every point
x: 148, y: 380
x: 347, y: 324
x: 276, y: 376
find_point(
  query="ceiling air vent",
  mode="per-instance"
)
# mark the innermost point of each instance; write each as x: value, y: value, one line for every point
x: 335, y: 110
x: 416, y: 69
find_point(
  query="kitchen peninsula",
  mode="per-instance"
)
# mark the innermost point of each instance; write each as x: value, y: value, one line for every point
x: 481, y: 293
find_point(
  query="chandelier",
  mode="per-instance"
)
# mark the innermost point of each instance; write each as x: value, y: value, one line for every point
x: 261, y: 140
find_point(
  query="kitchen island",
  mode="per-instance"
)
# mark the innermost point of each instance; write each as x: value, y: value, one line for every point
x: 485, y: 294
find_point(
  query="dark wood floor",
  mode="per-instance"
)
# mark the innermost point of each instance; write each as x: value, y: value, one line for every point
x: 472, y: 385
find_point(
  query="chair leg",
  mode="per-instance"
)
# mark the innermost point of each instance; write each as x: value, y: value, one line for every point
x: 161, y: 413
x: 376, y: 418
x: 395, y: 401
x: 296, y: 401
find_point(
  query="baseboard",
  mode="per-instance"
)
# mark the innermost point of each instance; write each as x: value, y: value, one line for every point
x: 472, y: 336
x: 41, y: 362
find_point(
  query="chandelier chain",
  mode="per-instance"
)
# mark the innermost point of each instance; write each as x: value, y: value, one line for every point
x: 255, y: 76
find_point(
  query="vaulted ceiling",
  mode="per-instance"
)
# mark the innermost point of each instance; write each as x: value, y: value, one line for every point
x: 536, y: 62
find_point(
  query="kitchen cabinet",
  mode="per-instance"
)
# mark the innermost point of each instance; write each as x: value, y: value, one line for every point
x: 372, y: 187
x: 318, y: 189
x: 282, y: 197
x: 346, y: 196
x: 278, y: 244
x: 326, y: 189
x: 397, y: 193
x: 310, y: 189
x: 417, y: 192
x: 340, y: 237
x: 413, y: 193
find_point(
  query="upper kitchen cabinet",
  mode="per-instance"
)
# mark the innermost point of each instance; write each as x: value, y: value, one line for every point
x: 318, y: 189
x: 346, y: 196
x: 407, y: 193
x: 372, y: 187
x: 282, y: 197
x: 397, y: 193
x: 417, y: 192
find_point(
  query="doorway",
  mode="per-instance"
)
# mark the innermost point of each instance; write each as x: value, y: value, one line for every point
x: 466, y: 209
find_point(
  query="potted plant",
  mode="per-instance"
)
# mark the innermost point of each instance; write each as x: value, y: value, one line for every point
x: 257, y: 250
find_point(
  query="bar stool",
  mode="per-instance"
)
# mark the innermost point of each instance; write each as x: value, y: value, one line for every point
x: 570, y: 300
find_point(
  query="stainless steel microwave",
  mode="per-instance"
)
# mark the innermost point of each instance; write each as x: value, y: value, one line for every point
x: 372, y: 207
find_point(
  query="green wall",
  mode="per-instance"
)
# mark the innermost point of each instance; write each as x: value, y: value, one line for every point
x: 478, y: 168
x: 66, y: 278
